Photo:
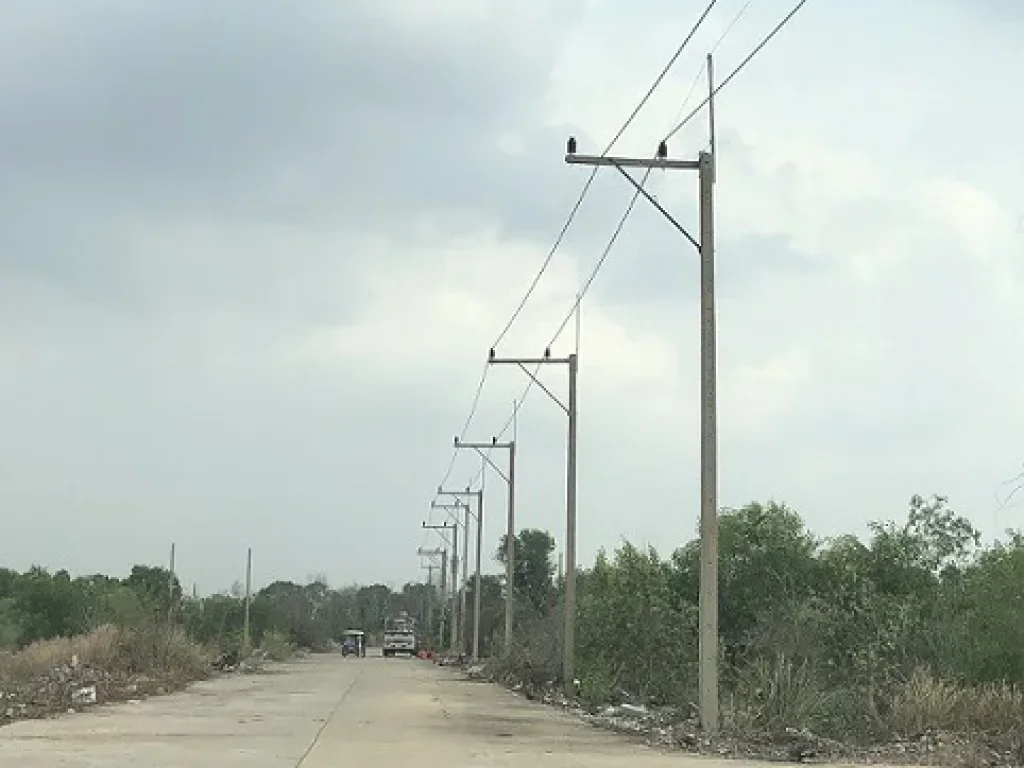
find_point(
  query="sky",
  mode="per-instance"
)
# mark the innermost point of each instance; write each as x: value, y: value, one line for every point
x: 253, y: 256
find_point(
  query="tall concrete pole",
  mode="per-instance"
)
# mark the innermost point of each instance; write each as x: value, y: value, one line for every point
x: 465, y: 580
x: 454, y: 645
x: 454, y: 623
x: 569, y: 645
x: 248, y: 600
x: 170, y: 587
x: 476, y: 582
x: 510, y: 549
x: 705, y: 167
x: 569, y: 624
x: 444, y: 593
x: 484, y: 449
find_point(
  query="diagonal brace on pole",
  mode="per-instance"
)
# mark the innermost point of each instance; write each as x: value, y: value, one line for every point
x: 459, y: 504
x: 479, y: 448
x: 522, y: 362
x: 672, y: 219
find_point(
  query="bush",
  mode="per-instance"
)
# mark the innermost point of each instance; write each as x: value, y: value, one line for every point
x: 918, y: 628
x: 277, y: 645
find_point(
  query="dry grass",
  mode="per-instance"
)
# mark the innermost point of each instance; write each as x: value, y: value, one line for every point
x: 772, y: 695
x: 925, y: 702
x: 112, y: 649
x: 99, y: 648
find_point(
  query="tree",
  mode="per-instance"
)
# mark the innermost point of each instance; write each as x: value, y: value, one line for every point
x: 492, y: 612
x: 534, y: 576
x: 156, y: 587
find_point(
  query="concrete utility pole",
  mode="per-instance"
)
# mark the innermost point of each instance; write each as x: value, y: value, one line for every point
x: 429, y: 568
x: 452, y: 510
x: 479, y: 547
x: 170, y: 588
x: 454, y: 528
x: 248, y: 600
x: 569, y: 644
x: 443, y: 553
x: 510, y: 534
x: 705, y: 167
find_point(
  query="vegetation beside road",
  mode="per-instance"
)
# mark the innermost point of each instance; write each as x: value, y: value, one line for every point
x: 915, y: 635
x: 65, y: 640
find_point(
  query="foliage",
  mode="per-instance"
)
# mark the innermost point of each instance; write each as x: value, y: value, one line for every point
x: 918, y: 626
x: 39, y: 606
x: 534, y: 574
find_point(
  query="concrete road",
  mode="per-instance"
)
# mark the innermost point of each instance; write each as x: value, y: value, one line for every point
x: 328, y: 711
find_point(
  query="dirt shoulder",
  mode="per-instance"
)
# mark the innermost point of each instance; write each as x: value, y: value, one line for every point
x: 676, y: 729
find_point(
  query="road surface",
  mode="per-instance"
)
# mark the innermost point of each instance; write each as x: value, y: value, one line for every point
x: 329, y: 711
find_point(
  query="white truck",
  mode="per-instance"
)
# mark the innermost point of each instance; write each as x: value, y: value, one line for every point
x: 398, y: 641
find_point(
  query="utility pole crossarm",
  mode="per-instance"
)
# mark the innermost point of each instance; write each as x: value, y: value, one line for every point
x: 459, y: 504
x: 450, y: 509
x: 547, y: 359
x: 481, y: 447
x: 633, y: 162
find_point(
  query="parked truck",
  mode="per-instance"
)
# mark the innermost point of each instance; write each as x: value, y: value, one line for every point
x: 400, y: 636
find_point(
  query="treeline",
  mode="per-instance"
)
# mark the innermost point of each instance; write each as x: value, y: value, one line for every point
x: 39, y: 605
x: 919, y: 626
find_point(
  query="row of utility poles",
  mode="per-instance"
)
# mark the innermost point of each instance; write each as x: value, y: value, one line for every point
x: 704, y: 165
x: 247, y: 630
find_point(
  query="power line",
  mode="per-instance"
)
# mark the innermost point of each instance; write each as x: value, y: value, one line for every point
x: 738, y: 69
x: 593, y: 174
x: 465, y: 427
x: 757, y: 49
x: 704, y: 64
x: 604, y: 255
x: 583, y: 291
x: 561, y: 328
x: 660, y: 77
x: 579, y: 202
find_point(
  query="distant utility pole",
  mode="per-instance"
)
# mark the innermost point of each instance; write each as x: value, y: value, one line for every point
x: 453, y: 510
x: 569, y: 644
x: 429, y: 568
x: 510, y: 535
x: 705, y: 167
x: 170, y: 587
x: 454, y: 528
x: 479, y: 547
x: 248, y: 600
x: 430, y: 576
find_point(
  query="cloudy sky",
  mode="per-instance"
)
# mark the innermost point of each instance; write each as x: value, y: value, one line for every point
x: 253, y: 255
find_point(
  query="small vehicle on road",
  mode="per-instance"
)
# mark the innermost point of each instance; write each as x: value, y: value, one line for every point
x: 353, y: 643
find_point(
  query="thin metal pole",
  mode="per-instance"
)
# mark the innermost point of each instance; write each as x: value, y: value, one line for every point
x: 476, y: 582
x: 708, y: 652
x: 510, y: 548
x: 569, y: 645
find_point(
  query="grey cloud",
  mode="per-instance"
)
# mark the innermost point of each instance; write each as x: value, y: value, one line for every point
x: 129, y: 129
x: 181, y: 106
